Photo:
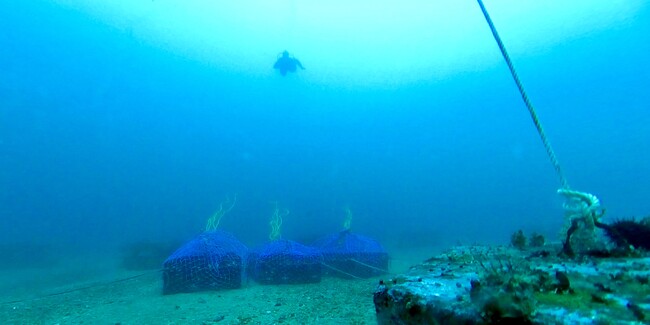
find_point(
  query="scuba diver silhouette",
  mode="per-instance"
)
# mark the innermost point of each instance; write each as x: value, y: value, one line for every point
x: 286, y: 63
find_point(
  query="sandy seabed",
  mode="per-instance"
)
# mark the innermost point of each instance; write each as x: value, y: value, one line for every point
x: 139, y: 301
x: 125, y: 297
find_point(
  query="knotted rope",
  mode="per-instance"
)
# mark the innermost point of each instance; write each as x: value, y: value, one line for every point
x: 581, y: 209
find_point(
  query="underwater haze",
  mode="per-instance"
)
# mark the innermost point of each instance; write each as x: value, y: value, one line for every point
x: 127, y: 121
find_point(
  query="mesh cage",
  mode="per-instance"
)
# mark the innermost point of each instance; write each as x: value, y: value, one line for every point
x: 350, y: 255
x: 213, y: 260
x: 286, y: 262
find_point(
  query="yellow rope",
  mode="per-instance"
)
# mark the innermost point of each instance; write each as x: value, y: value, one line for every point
x: 524, y: 96
x: 276, y: 222
x: 215, y: 219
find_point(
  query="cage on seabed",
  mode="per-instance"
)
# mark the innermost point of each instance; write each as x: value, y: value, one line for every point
x: 349, y: 255
x: 213, y: 260
x: 285, y: 262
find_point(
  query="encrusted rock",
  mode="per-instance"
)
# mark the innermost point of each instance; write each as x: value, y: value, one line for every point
x: 496, y: 285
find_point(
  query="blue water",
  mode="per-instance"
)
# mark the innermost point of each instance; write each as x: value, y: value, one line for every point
x: 107, y: 137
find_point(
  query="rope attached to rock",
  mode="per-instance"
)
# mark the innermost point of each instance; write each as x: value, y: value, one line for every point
x: 582, y: 210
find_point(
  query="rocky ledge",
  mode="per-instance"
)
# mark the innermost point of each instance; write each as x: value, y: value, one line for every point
x: 496, y: 285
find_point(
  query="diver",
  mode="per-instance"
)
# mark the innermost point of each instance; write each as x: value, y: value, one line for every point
x: 286, y: 63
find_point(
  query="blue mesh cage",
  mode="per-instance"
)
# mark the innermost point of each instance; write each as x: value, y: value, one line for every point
x: 285, y: 262
x: 213, y: 260
x: 349, y: 255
